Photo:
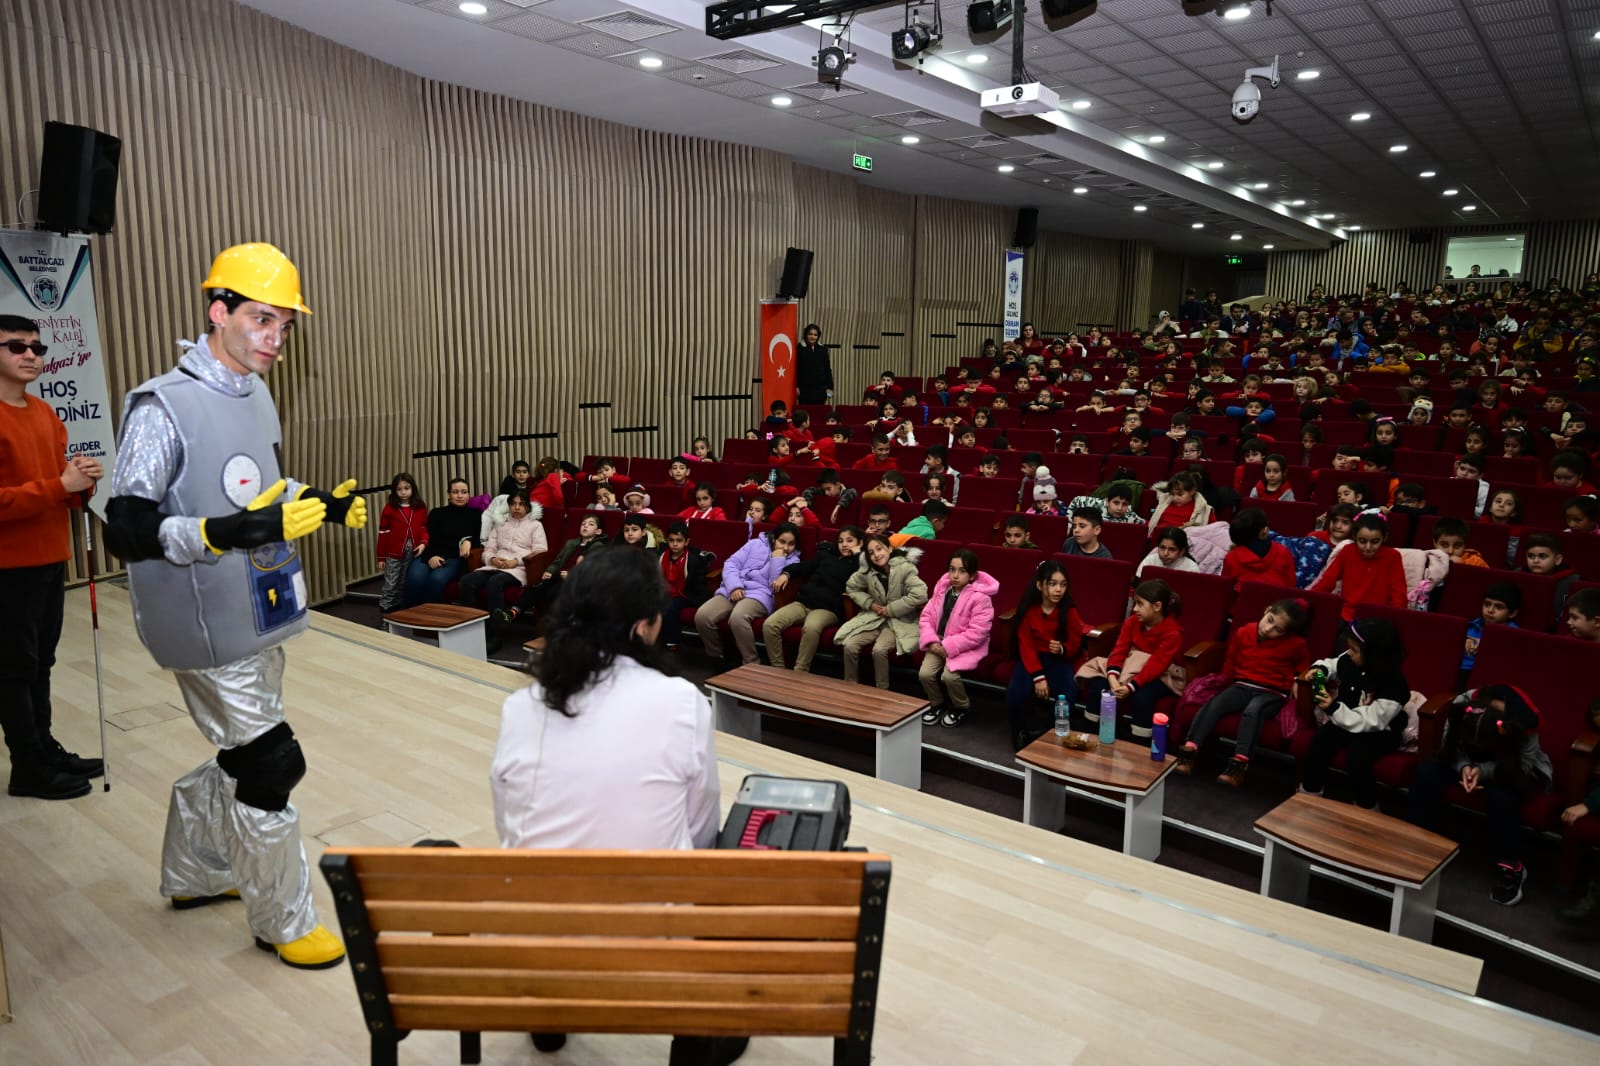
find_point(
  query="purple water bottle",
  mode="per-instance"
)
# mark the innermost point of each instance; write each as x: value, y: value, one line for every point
x: 1158, y: 738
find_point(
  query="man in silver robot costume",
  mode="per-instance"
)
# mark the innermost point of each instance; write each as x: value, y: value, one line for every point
x: 203, y: 515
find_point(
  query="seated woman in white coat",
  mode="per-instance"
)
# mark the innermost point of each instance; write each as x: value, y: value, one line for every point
x: 603, y: 750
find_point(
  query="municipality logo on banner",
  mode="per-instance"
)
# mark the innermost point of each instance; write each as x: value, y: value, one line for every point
x: 47, y: 278
x: 1013, y: 311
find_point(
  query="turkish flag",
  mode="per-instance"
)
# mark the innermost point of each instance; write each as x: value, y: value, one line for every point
x: 780, y: 323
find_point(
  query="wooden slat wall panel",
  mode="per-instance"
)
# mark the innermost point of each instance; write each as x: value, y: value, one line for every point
x: 1567, y: 250
x: 1133, y: 287
x: 1070, y: 279
x: 1166, y: 288
x: 959, y: 267
x: 863, y: 238
x: 480, y: 267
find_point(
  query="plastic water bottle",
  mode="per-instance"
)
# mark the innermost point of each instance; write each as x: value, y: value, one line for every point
x: 1108, y: 717
x: 1063, y: 716
x: 1158, y: 738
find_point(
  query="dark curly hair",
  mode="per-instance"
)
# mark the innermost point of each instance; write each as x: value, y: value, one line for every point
x: 594, y: 620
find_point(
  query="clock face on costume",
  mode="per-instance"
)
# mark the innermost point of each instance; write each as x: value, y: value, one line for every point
x: 241, y: 480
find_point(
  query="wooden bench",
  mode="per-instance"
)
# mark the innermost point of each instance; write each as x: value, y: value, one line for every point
x: 1306, y: 829
x: 688, y: 943
x: 740, y: 696
x: 455, y: 628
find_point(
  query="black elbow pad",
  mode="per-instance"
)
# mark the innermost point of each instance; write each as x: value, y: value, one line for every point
x: 133, y: 528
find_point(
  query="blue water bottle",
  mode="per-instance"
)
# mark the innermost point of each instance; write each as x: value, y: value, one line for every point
x: 1108, y: 717
x: 1063, y: 716
x: 1158, y: 738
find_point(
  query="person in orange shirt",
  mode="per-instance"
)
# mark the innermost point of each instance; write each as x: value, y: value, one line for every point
x: 38, y: 485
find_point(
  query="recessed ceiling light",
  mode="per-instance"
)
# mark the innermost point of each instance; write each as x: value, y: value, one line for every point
x: 1197, y: 225
x: 1360, y: 116
x: 1156, y: 138
x: 1268, y: 247
x: 1079, y: 190
x: 1397, y: 148
x: 1297, y: 203
x: 1510, y: 238
x: 474, y: 9
x: 1352, y: 228
x: 781, y: 101
x: 1597, y: 35
x: 1140, y: 207
x: 977, y: 58
x: 1449, y: 192
x: 650, y: 62
x: 1263, y: 185
x: 1307, y: 75
x: 1469, y: 207
x: 1428, y: 174
x: 1235, y: 236
x: 1080, y: 105
x: 1005, y: 168
x: 1215, y: 164
x: 1327, y: 217
x: 911, y: 138
x: 1240, y: 10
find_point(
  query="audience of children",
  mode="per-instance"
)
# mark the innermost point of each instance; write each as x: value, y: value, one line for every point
x: 1360, y: 701
x: 890, y: 596
x: 1138, y: 669
x: 1046, y: 637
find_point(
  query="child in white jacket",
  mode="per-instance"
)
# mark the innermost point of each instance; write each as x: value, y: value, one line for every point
x: 1360, y: 698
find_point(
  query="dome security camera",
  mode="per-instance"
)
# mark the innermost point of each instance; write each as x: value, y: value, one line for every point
x: 1247, y: 98
x: 1246, y: 101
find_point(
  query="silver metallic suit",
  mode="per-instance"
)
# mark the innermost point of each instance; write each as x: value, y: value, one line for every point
x: 200, y: 441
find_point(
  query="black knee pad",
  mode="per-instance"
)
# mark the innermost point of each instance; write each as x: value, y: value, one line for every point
x: 266, y: 769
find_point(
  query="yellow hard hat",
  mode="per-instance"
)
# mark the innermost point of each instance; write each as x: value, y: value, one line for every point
x: 257, y: 272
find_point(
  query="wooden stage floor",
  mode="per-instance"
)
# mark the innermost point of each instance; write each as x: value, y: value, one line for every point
x: 1005, y: 944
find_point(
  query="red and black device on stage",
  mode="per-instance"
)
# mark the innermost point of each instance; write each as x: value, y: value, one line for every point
x: 788, y: 814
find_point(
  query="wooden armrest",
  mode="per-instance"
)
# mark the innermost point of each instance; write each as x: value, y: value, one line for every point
x: 1006, y: 615
x: 1204, y: 658
x: 1430, y: 724
x: 850, y: 609
x: 1580, y: 768
x: 785, y: 596
x: 536, y: 563
x: 475, y: 560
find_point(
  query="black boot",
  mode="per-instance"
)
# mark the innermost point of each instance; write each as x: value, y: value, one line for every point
x: 70, y: 762
x: 706, y: 1050
x: 33, y: 775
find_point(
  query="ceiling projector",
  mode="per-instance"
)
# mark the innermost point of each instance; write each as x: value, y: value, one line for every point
x: 1015, y: 101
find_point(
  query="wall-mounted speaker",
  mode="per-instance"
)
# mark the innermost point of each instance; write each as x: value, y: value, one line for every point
x: 796, y: 273
x: 78, y: 179
x: 1422, y: 236
x: 1027, y: 227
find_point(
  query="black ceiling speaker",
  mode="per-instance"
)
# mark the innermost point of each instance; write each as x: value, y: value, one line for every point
x: 1027, y: 227
x: 78, y: 179
x: 796, y: 273
x: 1422, y: 236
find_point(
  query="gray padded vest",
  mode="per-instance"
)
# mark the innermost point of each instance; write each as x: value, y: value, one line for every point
x: 241, y: 602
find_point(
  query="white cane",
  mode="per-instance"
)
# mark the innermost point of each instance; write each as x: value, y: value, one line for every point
x: 94, y: 617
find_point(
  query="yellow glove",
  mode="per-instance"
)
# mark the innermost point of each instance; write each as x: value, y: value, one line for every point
x: 342, y: 507
x: 264, y: 521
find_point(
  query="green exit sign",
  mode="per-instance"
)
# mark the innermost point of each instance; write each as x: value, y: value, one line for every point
x: 1235, y: 260
x: 861, y: 162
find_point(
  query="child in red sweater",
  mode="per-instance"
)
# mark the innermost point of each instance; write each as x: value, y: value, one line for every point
x: 1263, y: 660
x: 1255, y: 556
x: 402, y: 532
x: 1147, y: 645
x: 1368, y: 571
x: 1049, y: 634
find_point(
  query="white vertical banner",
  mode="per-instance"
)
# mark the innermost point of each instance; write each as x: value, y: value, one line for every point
x: 1013, y: 315
x: 46, y: 277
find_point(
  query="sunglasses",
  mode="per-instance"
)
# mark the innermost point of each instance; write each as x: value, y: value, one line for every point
x: 18, y: 347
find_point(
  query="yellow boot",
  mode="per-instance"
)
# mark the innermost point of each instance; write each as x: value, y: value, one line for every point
x: 317, y: 950
x: 189, y: 903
